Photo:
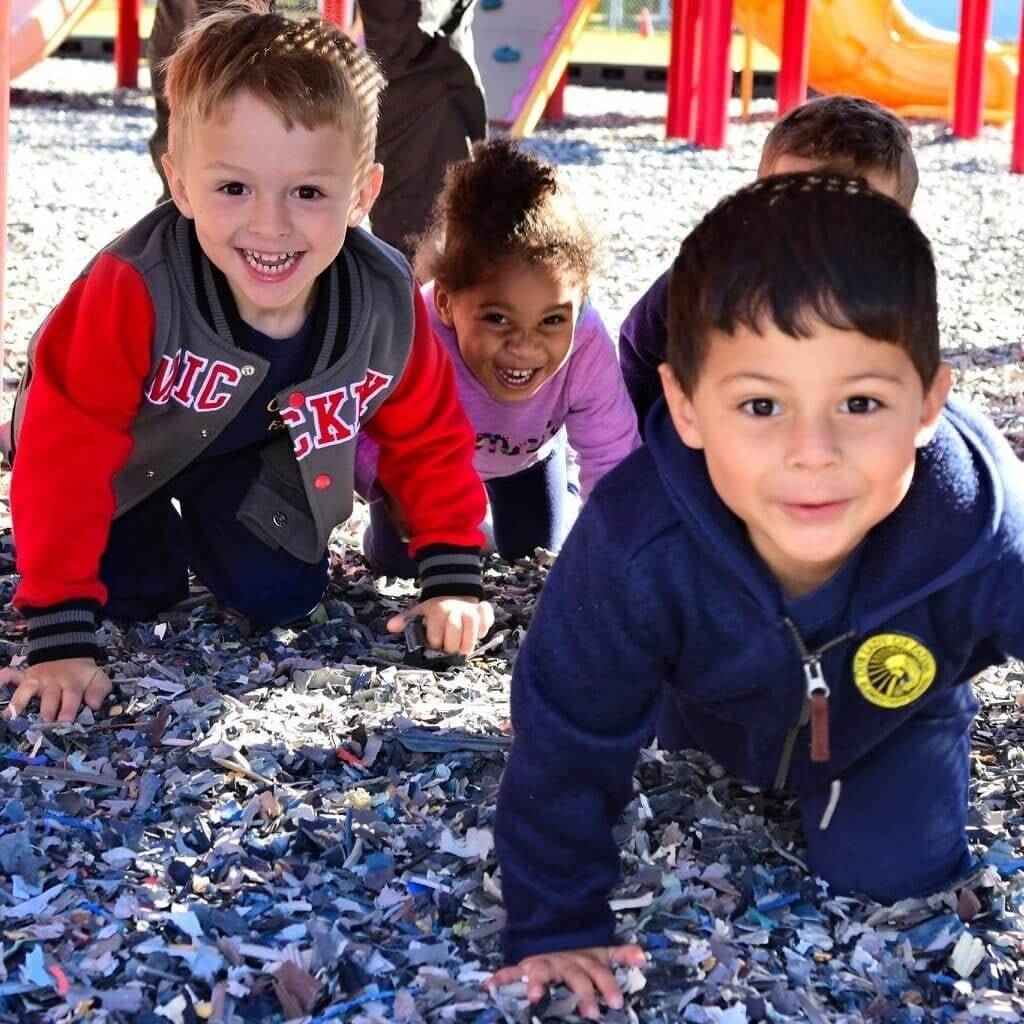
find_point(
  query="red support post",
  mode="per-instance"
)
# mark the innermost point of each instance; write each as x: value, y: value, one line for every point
x: 5, y: 112
x: 714, y: 82
x: 969, y: 101
x: 791, y: 88
x: 127, y: 47
x: 338, y: 11
x: 555, y: 109
x: 682, y: 66
x: 1017, y: 160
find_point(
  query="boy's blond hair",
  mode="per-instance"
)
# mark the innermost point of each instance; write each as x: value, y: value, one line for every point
x: 848, y: 134
x: 309, y: 72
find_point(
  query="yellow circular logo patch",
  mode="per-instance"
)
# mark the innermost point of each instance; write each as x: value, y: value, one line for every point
x: 892, y: 670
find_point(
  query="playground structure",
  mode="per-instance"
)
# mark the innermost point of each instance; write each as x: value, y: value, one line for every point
x: 873, y: 48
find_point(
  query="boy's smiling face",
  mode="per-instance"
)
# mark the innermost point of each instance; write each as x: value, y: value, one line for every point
x: 811, y: 441
x: 271, y: 205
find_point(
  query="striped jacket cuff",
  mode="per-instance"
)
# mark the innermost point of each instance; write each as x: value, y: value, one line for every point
x: 62, y: 631
x: 450, y: 572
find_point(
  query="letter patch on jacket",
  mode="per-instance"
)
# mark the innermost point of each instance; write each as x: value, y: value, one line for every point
x: 892, y: 670
x: 332, y: 416
x: 193, y: 382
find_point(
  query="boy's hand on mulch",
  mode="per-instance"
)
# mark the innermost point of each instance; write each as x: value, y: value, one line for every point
x: 452, y: 624
x: 585, y: 972
x: 61, y: 686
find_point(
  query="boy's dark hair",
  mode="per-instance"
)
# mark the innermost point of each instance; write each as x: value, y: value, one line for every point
x: 848, y: 135
x: 503, y: 204
x: 795, y: 249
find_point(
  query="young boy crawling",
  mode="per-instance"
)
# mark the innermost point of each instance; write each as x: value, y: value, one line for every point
x: 223, y: 353
x: 810, y: 558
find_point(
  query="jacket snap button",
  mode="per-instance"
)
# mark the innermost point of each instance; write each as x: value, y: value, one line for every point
x: 248, y: 370
x: 322, y: 482
x: 204, y: 433
x: 296, y: 399
x: 280, y: 519
x: 150, y: 473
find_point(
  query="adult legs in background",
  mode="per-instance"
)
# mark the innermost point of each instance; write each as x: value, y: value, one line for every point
x: 432, y: 110
x: 171, y: 19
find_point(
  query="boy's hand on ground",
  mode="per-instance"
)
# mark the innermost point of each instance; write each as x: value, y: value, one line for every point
x: 587, y: 973
x: 452, y: 624
x: 61, y: 686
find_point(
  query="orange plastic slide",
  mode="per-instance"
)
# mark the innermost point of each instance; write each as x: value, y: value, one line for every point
x: 878, y: 49
x: 38, y: 27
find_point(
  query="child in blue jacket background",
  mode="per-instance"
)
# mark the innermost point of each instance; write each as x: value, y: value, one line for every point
x: 799, y: 573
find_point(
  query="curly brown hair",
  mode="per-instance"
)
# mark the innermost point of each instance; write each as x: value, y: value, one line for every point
x: 502, y: 205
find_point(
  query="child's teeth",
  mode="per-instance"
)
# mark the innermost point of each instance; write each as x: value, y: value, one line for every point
x: 269, y: 262
x: 516, y: 376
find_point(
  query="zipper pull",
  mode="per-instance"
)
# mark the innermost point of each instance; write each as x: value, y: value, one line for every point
x: 817, y: 694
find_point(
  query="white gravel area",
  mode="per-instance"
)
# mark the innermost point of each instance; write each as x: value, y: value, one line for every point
x: 80, y: 172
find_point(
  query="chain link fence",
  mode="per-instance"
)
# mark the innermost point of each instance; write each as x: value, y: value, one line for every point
x: 625, y: 15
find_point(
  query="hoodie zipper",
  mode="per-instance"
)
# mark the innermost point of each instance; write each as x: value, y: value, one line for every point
x: 815, y: 704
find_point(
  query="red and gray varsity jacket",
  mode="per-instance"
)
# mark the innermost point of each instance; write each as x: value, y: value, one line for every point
x: 127, y: 383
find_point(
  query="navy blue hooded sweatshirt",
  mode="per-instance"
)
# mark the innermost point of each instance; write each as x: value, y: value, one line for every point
x: 658, y: 589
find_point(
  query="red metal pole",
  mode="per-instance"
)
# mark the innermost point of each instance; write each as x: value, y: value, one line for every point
x: 5, y: 111
x: 715, y: 78
x: 682, y: 65
x: 975, y: 18
x: 1017, y: 160
x: 338, y: 11
x: 555, y: 109
x: 791, y: 88
x: 126, y: 45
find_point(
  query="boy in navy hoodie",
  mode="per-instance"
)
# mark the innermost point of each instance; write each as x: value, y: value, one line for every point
x: 827, y: 551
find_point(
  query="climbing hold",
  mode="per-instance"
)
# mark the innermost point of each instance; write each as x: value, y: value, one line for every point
x: 506, y: 55
x: 490, y: 5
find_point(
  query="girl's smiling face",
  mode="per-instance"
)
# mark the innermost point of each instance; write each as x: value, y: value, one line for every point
x: 515, y: 329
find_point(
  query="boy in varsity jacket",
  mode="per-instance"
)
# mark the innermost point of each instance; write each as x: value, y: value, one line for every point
x: 224, y: 352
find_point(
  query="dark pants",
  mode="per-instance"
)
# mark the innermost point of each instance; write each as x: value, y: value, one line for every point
x: 531, y: 509
x: 151, y: 548
x: 432, y: 110
x: 900, y: 821
x: 898, y: 826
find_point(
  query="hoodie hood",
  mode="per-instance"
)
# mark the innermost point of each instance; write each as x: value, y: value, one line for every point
x: 967, y: 483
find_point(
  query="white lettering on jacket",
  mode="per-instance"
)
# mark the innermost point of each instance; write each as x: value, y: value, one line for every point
x: 193, y: 382
x: 333, y: 416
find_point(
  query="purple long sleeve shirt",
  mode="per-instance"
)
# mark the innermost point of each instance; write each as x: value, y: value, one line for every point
x: 643, y: 338
x: 586, y: 396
